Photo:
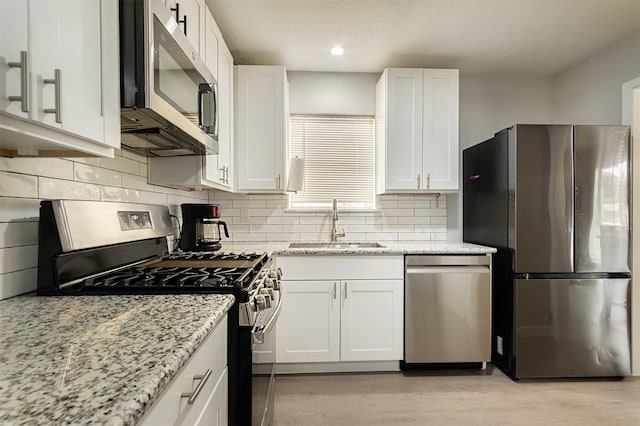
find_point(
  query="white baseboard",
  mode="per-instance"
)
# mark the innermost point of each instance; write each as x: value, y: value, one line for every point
x: 337, y: 367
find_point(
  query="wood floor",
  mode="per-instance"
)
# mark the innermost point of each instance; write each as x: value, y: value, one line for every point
x: 465, y: 397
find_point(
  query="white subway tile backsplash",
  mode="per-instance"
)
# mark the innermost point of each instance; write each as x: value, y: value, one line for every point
x: 18, y: 282
x: 284, y: 220
x: 382, y: 220
x: 273, y: 212
x: 215, y: 196
x: 265, y: 228
x: 121, y: 164
x: 92, y: 174
x: 250, y: 237
x: 18, y: 258
x: 18, y: 185
x: 147, y: 197
x: 414, y: 204
x: 414, y: 236
x: 14, y: 234
x: 120, y: 194
x: 50, y: 167
x: 430, y: 212
x: 19, y: 209
x: 70, y: 190
x: 253, y: 203
x: 283, y: 236
x: 415, y: 220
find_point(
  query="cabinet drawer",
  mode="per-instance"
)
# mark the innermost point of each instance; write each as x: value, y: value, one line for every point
x: 341, y: 267
x: 172, y: 409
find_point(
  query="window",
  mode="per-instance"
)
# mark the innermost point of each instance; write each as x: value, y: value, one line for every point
x: 339, y: 160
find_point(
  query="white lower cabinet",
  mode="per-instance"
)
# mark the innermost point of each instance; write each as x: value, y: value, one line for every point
x: 354, y: 315
x: 209, y: 407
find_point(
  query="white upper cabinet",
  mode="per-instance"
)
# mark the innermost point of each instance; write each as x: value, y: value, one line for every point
x: 225, y: 117
x: 59, y: 81
x: 261, y: 128
x: 417, y: 130
x: 190, y: 16
x: 212, y: 38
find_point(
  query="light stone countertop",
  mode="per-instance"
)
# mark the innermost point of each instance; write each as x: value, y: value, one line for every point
x: 96, y: 359
x: 390, y: 248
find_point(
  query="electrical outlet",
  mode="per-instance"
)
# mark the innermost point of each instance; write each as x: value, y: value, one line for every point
x: 244, y: 214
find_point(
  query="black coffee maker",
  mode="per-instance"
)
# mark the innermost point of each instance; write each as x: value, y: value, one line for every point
x: 201, y: 227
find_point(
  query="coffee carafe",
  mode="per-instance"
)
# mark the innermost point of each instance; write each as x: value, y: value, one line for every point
x: 201, y: 227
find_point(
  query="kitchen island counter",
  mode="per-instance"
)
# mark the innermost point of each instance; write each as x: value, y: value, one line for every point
x: 389, y: 248
x: 96, y: 359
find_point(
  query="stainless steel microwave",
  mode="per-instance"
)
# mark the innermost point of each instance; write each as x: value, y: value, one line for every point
x: 169, y: 104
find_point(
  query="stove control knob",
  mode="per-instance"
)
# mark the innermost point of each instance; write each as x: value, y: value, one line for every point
x: 268, y: 292
x: 268, y: 283
x: 262, y: 303
x: 275, y: 273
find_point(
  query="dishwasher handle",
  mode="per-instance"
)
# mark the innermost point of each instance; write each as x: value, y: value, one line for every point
x: 447, y: 269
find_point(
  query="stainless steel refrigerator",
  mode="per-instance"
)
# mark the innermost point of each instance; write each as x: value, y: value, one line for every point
x: 555, y: 201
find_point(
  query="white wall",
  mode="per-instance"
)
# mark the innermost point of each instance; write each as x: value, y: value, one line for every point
x: 332, y: 93
x: 26, y: 181
x: 590, y: 91
x: 489, y: 104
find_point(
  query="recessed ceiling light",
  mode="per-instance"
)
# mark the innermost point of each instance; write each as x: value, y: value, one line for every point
x: 337, y: 50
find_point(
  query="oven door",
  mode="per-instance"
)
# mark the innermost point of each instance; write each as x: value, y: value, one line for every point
x: 263, y: 363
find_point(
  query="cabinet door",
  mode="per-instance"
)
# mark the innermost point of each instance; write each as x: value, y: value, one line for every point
x: 261, y: 128
x: 215, y: 411
x: 225, y: 131
x: 440, y: 130
x: 193, y: 11
x: 308, y: 329
x: 55, y: 45
x: 13, y: 40
x: 212, y: 38
x: 404, y: 129
x: 372, y: 320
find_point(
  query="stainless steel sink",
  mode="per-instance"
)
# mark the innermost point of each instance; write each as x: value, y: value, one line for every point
x: 340, y: 245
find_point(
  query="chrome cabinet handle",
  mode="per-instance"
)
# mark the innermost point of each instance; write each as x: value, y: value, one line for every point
x: 225, y: 174
x: 184, y: 20
x: 428, y: 180
x: 278, y: 182
x: 24, y: 81
x: 345, y: 290
x: 334, y: 291
x: 57, y: 82
x: 192, y: 396
x: 419, y: 180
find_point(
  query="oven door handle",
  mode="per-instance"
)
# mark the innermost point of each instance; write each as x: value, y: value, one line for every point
x: 259, y: 332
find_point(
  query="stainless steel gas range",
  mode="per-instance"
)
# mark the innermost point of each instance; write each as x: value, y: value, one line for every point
x: 102, y: 248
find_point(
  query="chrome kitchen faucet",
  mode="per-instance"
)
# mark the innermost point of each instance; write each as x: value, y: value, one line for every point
x: 334, y: 218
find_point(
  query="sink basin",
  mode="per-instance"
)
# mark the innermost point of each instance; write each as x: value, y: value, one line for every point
x: 340, y: 245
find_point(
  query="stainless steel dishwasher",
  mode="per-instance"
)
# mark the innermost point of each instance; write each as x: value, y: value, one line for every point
x: 447, y: 309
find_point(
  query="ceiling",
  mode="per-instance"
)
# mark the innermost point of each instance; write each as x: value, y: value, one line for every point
x: 532, y: 37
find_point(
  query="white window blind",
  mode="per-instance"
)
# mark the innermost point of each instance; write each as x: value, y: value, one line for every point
x: 339, y: 160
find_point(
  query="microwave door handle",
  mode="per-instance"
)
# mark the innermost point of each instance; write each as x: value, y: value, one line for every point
x: 202, y: 89
x: 214, y: 92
